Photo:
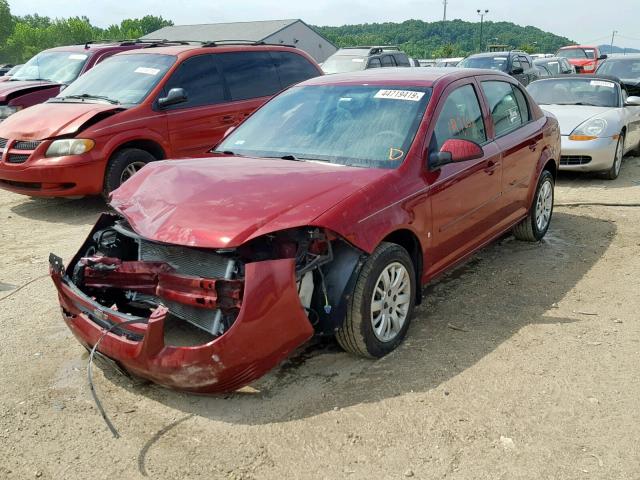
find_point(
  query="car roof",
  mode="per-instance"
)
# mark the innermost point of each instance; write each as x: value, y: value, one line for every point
x: 578, y: 46
x: 496, y: 54
x: 582, y: 76
x: 419, y: 77
x: 188, y: 50
x: 91, y: 47
x: 620, y: 56
x: 547, y: 59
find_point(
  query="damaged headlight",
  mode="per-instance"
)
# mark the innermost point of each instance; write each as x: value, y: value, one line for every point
x: 72, y: 146
x: 6, y: 111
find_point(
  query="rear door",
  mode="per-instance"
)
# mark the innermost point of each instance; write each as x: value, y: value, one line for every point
x: 465, y: 195
x: 517, y: 137
x: 388, y: 61
x: 195, y: 125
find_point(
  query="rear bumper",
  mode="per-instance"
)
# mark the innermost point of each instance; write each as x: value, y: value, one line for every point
x: 69, y: 179
x: 601, y: 152
x: 270, y: 325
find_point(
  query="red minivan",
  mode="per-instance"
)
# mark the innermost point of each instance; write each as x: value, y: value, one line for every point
x: 170, y: 101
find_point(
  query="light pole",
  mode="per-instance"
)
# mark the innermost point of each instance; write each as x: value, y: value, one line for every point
x: 482, y: 14
x: 613, y: 35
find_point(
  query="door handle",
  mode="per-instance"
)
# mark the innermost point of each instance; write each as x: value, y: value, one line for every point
x: 228, y: 119
x: 533, y: 146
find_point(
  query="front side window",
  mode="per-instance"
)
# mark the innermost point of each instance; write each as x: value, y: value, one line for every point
x: 388, y: 61
x: 374, y: 63
x: 357, y: 125
x: 249, y: 74
x: 58, y: 67
x: 524, y: 61
x: 121, y: 79
x: 201, y: 80
x: 460, y: 118
x: 504, y: 105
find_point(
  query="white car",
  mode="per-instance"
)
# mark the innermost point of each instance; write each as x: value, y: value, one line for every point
x: 599, y: 122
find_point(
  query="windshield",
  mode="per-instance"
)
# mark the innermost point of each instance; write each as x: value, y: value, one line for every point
x: 599, y: 93
x: 363, y: 126
x: 344, y: 63
x: 493, y: 63
x: 628, y: 68
x: 58, y: 67
x: 577, y: 53
x: 125, y: 79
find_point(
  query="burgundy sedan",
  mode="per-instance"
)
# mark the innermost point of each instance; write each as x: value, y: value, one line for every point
x: 323, y: 213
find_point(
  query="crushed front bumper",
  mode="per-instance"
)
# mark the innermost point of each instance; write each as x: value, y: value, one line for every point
x: 270, y: 325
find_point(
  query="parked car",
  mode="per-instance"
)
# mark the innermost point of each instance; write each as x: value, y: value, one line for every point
x: 352, y: 59
x: 555, y: 66
x: 598, y: 121
x: 382, y: 182
x: 449, y: 62
x: 585, y: 59
x: 138, y: 107
x: 4, y: 68
x: 516, y: 63
x: 626, y: 68
x: 10, y: 72
x: 44, y: 75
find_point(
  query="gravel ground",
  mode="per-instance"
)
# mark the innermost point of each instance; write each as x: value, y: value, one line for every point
x: 538, y: 378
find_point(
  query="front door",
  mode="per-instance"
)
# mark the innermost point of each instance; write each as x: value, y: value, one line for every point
x: 464, y: 195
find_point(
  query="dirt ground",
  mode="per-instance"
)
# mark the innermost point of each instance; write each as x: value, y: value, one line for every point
x: 540, y: 380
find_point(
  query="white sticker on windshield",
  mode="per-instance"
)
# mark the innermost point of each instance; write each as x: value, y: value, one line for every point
x: 77, y: 56
x: 400, y: 95
x: 600, y: 83
x: 147, y: 70
x: 357, y: 60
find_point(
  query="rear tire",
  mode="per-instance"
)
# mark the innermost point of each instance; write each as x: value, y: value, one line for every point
x: 535, y: 226
x: 122, y: 166
x: 384, y: 296
x: 614, y: 171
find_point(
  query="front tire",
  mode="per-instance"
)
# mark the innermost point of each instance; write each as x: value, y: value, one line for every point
x: 614, y: 171
x: 122, y: 166
x: 535, y: 226
x: 380, y: 310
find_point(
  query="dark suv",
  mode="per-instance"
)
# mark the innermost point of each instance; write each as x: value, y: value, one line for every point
x: 351, y: 59
x: 49, y: 71
x: 516, y: 63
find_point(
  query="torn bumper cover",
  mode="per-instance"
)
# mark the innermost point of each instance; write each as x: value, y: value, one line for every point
x: 271, y: 324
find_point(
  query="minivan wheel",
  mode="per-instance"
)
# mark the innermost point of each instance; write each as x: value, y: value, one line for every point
x: 536, y: 224
x: 380, y: 310
x: 122, y: 166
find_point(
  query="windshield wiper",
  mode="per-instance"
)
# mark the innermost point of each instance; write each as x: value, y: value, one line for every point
x: 96, y: 97
x: 29, y: 80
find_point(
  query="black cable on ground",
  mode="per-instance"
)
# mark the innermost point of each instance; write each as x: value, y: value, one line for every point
x: 24, y: 285
x: 94, y: 394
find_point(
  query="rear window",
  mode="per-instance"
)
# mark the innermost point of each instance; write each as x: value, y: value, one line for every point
x: 293, y: 68
x: 344, y: 63
x: 499, y: 62
x: 249, y: 74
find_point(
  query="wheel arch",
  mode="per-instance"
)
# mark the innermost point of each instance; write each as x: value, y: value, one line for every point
x: 410, y: 242
x: 150, y: 146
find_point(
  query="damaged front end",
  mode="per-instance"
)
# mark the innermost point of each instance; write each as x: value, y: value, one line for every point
x: 211, y: 320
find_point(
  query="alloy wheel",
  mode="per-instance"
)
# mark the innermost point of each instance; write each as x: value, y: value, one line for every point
x: 544, y: 205
x: 390, y: 302
x: 130, y: 170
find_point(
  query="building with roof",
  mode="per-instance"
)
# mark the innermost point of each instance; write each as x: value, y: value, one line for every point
x: 288, y: 32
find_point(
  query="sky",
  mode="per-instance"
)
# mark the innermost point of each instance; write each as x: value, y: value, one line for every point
x: 585, y: 21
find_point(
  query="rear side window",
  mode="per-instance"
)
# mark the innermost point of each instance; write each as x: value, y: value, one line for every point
x: 249, y: 74
x: 522, y: 104
x: 524, y: 61
x: 505, y: 107
x: 388, y: 61
x: 460, y: 117
x: 374, y: 63
x: 293, y: 68
x: 201, y: 80
x: 402, y: 60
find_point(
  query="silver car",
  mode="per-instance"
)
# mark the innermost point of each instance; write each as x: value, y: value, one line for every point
x: 599, y: 122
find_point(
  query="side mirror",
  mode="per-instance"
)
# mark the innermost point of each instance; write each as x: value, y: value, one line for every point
x: 175, y: 96
x: 517, y: 71
x: 603, y: 57
x: 455, y: 150
x: 633, y: 101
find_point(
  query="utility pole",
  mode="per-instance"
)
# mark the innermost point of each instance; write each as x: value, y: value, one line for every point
x: 482, y: 14
x: 613, y: 35
x: 444, y: 17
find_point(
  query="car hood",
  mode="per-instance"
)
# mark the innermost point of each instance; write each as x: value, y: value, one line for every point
x: 8, y: 88
x: 579, y: 62
x: 224, y: 201
x: 570, y: 116
x: 48, y: 120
